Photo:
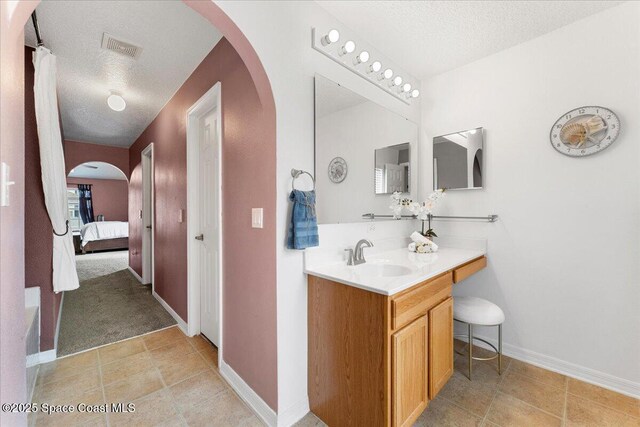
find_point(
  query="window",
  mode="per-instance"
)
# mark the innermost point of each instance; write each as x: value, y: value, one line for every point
x: 73, y: 197
x: 379, y: 181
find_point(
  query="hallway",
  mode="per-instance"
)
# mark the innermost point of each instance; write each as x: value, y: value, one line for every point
x: 110, y: 306
x: 170, y: 378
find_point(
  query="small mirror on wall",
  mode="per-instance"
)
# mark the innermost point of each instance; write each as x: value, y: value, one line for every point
x: 457, y: 160
x: 392, y: 169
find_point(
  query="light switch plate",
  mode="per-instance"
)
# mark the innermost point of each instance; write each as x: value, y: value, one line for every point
x: 257, y: 218
x: 5, y: 184
x: 180, y: 215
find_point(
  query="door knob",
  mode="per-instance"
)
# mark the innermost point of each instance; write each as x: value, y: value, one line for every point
x: 200, y: 237
x: 149, y: 227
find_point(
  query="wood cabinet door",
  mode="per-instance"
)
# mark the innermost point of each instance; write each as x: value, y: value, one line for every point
x: 440, y: 346
x: 409, y: 372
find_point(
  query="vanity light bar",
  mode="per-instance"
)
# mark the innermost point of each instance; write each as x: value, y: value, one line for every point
x: 346, y: 52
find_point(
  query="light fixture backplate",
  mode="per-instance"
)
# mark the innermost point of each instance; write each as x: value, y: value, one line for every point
x: 347, y: 60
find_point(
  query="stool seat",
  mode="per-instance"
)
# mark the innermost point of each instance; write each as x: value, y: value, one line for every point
x: 477, y: 311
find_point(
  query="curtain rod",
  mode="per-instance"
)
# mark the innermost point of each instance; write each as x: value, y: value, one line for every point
x: 34, y: 20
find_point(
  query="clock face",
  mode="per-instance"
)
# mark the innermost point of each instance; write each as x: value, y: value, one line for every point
x: 585, y: 131
x: 337, y: 170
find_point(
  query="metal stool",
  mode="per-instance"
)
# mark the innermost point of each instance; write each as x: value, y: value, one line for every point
x: 478, y: 311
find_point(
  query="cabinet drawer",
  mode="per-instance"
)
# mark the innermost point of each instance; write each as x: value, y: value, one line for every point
x: 417, y: 301
x: 469, y: 268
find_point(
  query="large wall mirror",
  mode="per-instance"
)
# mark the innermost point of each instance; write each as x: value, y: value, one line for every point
x: 457, y: 160
x: 364, y: 152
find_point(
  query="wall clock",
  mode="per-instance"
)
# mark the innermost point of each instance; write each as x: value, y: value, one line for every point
x: 337, y: 170
x: 585, y: 131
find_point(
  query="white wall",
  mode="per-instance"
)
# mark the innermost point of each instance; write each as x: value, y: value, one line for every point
x: 280, y: 32
x: 354, y: 134
x: 564, y: 257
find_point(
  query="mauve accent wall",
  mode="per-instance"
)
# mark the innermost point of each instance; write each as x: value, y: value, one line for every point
x: 76, y: 153
x: 110, y: 197
x: 12, y: 345
x: 249, y: 255
x: 37, y: 228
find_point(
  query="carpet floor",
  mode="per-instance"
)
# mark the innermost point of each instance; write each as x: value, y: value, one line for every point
x: 110, y: 305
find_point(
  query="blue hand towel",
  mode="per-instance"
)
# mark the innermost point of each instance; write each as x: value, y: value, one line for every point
x: 303, y: 229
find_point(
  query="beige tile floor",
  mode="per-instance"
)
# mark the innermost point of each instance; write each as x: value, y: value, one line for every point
x: 524, y: 395
x: 172, y: 379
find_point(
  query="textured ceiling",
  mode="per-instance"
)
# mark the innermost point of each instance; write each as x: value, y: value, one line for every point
x: 174, y: 38
x: 430, y: 37
x: 97, y: 170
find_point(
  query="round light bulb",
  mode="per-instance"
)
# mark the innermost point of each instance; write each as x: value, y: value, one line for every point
x: 397, y: 81
x: 116, y: 102
x: 388, y: 73
x: 472, y: 131
x: 406, y: 87
x: 363, y: 57
x: 331, y: 37
x: 415, y: 93
x: 375, y: 66
x: 349, y: 47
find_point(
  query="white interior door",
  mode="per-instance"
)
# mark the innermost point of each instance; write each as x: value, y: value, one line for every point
x: 209, y: 226
x: 395, y: 177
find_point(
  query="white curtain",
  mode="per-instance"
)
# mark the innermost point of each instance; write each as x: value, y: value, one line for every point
x: 54, y: 182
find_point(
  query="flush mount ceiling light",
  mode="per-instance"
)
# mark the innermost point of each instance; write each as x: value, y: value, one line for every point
x: 375, y: 67
x: 349, y: 47
x: 116, y: 102
x: 331, y: 37
x: 363, y: 57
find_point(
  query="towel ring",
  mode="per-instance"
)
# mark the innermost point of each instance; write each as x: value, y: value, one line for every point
x: 295, y: 173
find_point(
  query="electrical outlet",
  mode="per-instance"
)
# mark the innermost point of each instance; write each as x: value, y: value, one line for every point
x: 257, y: 218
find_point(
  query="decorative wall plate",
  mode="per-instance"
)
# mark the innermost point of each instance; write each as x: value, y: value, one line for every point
x: 337, y: 170
x: 585, y: 131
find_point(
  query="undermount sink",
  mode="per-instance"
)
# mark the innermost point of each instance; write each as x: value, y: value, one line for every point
x: 383, y: 270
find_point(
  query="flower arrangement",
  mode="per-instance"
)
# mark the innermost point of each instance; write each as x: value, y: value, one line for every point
x: 398, y: 203
x: 421, y: 211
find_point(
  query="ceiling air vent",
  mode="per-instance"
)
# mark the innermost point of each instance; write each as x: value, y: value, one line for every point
x: 111, y: 43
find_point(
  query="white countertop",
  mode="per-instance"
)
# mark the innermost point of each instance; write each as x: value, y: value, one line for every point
x: 422, y: 267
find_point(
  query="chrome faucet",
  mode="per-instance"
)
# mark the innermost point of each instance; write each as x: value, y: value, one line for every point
x: 357, y: 257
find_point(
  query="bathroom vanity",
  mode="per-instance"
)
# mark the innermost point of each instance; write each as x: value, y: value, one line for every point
x: 381, y: 334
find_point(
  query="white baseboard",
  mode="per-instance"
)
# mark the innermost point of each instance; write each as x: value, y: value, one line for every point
x: 136, y: 275
x: 55, y: 338
x: 246, y: 393
x: 181, y: 323
x: 33, y: 360
x: 294, y: 413
x: 47, y: 356
x: 569, y: 369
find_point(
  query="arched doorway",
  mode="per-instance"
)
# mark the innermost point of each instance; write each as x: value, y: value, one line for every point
x: 108, y: 191
x: 14, y: 16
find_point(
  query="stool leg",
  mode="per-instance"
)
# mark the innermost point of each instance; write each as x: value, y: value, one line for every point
x: 470, y: 348
x: 500, y: 349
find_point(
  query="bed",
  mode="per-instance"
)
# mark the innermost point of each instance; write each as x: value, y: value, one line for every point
x: 104, y: 236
